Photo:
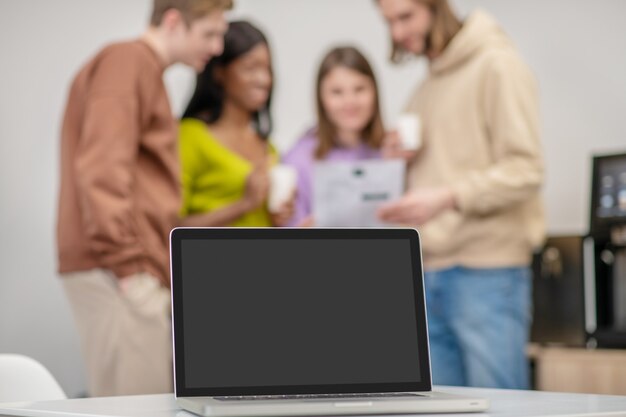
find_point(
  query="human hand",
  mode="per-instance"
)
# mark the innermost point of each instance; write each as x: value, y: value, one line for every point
x: 257, y: 188
x: 418, y: 207
x: 145, y: 294
x: 284, y: 213
x: 392, y: 148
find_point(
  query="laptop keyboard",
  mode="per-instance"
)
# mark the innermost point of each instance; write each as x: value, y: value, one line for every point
x: 315, y: 396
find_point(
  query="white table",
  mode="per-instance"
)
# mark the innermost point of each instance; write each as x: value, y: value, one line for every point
x: 507, y: 403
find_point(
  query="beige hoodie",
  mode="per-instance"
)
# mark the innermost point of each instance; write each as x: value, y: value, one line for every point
x: 479, y: 108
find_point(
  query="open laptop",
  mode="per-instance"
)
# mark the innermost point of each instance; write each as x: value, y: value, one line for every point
x: 275, y: 322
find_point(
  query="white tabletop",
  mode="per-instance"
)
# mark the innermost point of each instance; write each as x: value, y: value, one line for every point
x: 507, y: 403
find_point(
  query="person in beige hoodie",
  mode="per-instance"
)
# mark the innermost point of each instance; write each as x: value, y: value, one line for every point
x: 473, y: 189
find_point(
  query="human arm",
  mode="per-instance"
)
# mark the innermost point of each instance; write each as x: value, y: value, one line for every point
x: 255, y: 195
x: 511, y: 109
x: 418, y: 206
x: 105, y: 161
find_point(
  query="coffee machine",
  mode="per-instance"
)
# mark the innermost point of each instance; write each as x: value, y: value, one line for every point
x: 604, y: 252
x: 558, y: 292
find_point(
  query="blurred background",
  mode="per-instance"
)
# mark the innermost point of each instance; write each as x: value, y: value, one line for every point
x: 576, y: 49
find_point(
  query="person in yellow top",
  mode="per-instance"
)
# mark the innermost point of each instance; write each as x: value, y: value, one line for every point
x: 224, y: 148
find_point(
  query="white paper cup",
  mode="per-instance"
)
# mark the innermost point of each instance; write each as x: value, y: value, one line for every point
x: 283, y: 181
x: 409, y: 128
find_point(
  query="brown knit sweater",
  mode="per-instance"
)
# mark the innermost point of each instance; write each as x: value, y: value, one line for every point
x: 119, y: 195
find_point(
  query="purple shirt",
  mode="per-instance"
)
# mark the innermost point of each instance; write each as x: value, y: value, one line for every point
x: 302, y: 158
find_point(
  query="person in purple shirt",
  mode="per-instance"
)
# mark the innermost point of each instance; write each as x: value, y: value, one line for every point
x: 349, y: 124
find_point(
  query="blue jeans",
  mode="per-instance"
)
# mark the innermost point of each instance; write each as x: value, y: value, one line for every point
x: 478, y: 325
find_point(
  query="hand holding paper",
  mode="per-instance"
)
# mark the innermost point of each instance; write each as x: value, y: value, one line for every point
x: 348, y: 194
x: 417, y: 207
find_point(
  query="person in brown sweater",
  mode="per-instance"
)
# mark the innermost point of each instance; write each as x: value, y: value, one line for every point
x: 473, y: 189
x: 120, y: 196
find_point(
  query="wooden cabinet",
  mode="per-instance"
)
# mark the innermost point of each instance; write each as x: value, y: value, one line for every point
x: 593, y: 371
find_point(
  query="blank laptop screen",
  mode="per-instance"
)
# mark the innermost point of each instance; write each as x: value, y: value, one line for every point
x: 298, y: 312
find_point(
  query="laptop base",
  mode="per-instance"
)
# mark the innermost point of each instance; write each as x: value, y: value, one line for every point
x: 429, y: 402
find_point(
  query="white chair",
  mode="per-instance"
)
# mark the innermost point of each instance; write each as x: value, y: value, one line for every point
x: 24, y: 379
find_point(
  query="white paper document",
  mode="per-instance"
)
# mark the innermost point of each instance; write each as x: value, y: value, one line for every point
x: 348, y: 194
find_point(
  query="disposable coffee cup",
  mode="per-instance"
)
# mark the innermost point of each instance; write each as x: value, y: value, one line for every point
x: 283, y: 180
x: 409, y: 129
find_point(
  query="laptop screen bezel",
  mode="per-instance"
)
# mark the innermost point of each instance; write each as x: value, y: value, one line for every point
x: 421, y: 384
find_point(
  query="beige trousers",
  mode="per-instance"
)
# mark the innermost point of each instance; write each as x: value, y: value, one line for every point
x: 125, y: 332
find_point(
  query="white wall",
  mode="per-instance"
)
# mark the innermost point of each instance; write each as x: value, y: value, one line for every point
x: 577, y: 49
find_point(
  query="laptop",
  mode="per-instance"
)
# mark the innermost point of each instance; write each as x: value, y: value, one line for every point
x: 277, y: 322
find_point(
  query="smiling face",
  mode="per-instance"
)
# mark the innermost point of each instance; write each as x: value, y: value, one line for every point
x: 247, y: 80
x: 348, y: 99
x: 410, y: 23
